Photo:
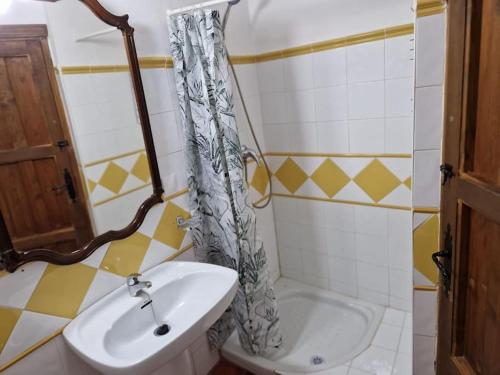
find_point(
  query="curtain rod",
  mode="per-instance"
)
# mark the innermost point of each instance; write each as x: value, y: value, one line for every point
x: 171, y: 12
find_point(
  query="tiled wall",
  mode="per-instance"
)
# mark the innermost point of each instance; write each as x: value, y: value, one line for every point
x: 338, y: 125
x: 39, y: 299
x: 430, y: 52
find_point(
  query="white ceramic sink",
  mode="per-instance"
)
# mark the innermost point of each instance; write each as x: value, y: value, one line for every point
x: 116, y: 336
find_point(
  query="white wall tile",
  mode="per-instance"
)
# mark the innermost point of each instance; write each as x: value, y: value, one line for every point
x: 331, y: 103
x: 424, y: 353
x: 399, y: 135
x: 366, y: 100
x: 365, y: 62
x: 428, y: 117
x: 277, y: 137
x: 167, y: 134
x: 372, y: 248
x: 370, y: 220
x: 400, y: 283
x: 157, y: 91
x: 425, y: 317
x: 333, y: 136
x: 300, y: 106
x: 427, y: 177
x: 399, y: 97
x: 400, y: 240
x: 399, y: 57
x: 430, y: 49
x: 340, y: 216
x: 373, y: 277
x: 341, y: 244
x: 247, y: 74
x: 273, y: 108
x: 367, y: 136
x: 298, y: 72
x: 303, y: 137
x: 315, y: 264
x: 343, y: 270
x: 16, y: 288
x: 271, y: 76
x: 329, y: 68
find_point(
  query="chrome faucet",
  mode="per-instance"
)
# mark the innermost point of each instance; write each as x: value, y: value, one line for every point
x: 249, y: 153
x: 135, y: 286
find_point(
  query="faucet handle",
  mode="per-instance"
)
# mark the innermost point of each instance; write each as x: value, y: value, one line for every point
x: 133, y: 278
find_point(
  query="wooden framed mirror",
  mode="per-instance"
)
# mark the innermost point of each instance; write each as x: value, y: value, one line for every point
x: 70, y: 151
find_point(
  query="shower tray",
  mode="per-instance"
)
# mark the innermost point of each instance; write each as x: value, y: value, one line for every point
x: 321, y: 330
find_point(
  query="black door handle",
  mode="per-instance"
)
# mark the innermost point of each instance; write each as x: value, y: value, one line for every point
x: 68, y: 186
x: 445, y: 267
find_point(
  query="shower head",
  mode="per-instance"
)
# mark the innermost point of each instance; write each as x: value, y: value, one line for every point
x: 233, y: 2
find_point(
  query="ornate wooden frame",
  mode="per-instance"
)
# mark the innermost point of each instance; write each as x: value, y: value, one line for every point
x: 10, y: 258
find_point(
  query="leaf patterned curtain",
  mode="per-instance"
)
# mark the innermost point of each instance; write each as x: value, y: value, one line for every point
x: 226, y: 231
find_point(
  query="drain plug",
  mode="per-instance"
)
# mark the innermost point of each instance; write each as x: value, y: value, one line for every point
x: 316, y: 360
x: 162, y: 330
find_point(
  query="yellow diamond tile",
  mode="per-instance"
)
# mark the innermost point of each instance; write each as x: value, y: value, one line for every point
x: 61, y: 290
x: 330, y: 178
x: 167, y: 231
x: 113, y: 177
x: 8, y: 320
x: 291, y: 175
x: 426, y: 242
x: 125, y: 256
x: 91, y: 184
x: 376, y: 180
x: 260, y: 179
x: 407, y: 183
x: 141, y: 168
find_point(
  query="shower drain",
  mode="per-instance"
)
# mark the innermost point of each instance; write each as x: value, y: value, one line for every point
x: 317, y: 360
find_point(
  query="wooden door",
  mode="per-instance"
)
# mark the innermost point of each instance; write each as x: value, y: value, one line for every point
x: 469, y: 312
x: 37, y: 163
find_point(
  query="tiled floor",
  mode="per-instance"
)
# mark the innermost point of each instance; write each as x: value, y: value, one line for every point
x: 389, y: 353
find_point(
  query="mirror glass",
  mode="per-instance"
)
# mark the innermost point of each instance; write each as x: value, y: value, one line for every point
x: 72, y: 157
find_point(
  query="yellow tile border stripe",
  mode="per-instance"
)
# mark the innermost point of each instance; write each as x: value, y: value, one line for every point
x: 167, y: 198
x: 104, y: 201
x: 45, y: 340
x: 119, y: 156
x: 430, y: 7
x: 338, y: 155
x: 165, y: 62
x: 425, y: 288
x: 330, y: 200
x: 262, y: 199
x: 426, y: 210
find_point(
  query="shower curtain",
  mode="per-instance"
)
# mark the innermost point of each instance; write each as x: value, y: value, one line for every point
x: 225, y: 233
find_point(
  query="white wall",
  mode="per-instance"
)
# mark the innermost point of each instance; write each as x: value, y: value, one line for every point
x: 279, y: 24
x: 23, y: 12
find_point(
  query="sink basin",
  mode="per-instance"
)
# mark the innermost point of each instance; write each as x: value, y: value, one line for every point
x: 116, y: 336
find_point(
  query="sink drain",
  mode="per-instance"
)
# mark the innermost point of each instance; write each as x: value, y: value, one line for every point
x: 317, y: 360
x: 162, y: 330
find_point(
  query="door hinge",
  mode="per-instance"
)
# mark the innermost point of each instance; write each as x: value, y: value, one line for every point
x: 447, y: 172
x: 62, y: 143
x: 445, y: 266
